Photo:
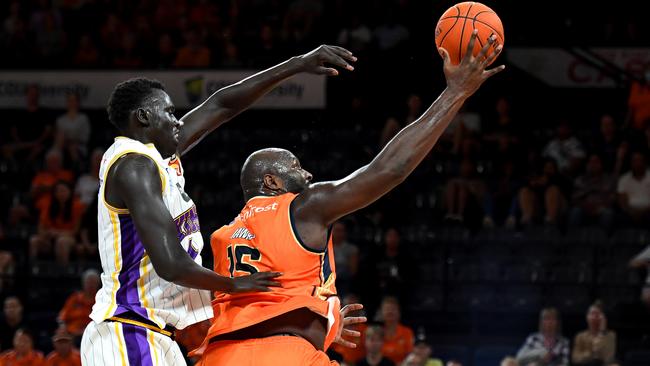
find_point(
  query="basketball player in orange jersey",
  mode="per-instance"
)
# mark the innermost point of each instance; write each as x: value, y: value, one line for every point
x: 285, y: 226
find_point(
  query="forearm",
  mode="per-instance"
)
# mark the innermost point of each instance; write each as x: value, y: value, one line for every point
x: 409, y: 147
x: 190, y: 274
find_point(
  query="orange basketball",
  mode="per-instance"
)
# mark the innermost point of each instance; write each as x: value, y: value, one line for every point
x: 457, y: 23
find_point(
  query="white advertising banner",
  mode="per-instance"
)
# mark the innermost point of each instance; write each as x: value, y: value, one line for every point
x: 559, y: 68
x: 186, y: 88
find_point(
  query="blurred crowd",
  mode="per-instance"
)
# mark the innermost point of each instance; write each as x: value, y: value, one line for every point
x: 491, y: 170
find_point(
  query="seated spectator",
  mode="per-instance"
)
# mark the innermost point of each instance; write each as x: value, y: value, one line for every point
x: 191, y: 337
x: 544, y: 196
x: 64, y: 354
x: 502, y: 187
x: 75, y: 314
x: 509, y: 361
x: 6, y: 260
x: 394, y: 124
x: 607, y: 144
x: 73, y: 131
x: 595, y: 346
x: 58, y: 224
x: 465, y: 195
x: 547, y: 347
x: 421, y: 355
x: 634, y: 190
x: 11, y: 321
x: 565, y: 149
x: 593, y: 196
x: 346, y: 257
x: 194, y: 54
x: 86, y: 54
x: 352, y: 355
x: 374, y: 344
x: 166, y: 52
x: 23, y: 353
x: 398, y: 338
x: 86, y: 247
x: 30, y: 129
x: 88, y: 183
x: 45, y: 179
x: 642, y: 260
x: 502, y: 133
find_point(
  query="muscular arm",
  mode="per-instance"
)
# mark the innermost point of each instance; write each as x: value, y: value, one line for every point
x: 323, y: 203
x: 136, y: 181
x: 229, y: 101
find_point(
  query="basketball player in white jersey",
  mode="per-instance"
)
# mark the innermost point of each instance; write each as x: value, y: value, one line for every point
x: 149, y: 236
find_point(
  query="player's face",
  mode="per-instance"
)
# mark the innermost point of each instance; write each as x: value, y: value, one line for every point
x: 165, y: 128
x: 296, y: 179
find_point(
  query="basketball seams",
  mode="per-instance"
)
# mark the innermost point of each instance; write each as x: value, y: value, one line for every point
x: 479, y: 21
x: 442, y: 40
x: 462, y: 33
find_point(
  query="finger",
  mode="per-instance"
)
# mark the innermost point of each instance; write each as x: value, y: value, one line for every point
x: 482, y: 54
x: 354, y: 320
x: 326, y: 71
x: 267, y: 275
x: 445, y: 56
x: 351, y: 333
x: 337, y: 60
x: 492, y: 56
x: 470, y: 45
x: 343, y: 53
x: 346, y: 344
x: 259, y: 288
x: 351, y: 307
x: 270, y: 283
x: 493, y: 71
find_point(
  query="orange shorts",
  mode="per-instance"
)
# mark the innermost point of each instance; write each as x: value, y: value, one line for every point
x: 269, y: 351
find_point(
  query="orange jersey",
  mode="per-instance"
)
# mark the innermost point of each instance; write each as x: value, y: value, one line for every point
x: 397, y: 347
x: 262, y: 238
x: 76, y: 312
x: 11, y: 358
x: 55, y: 359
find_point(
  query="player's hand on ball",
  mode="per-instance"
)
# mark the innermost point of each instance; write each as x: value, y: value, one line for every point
x: 321, y: 60
x: 347, y: 321
x: 260, y: 281
x: 466, y: 77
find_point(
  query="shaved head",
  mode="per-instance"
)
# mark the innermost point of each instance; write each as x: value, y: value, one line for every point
x: 272, y: 171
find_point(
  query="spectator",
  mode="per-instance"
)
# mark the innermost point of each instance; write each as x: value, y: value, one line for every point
x: 543, y: 196
x: 346, y: 257
x: 565, y: 149
x: 75, y: 314
x: 11, y: 321
x: 6, y: 260
x: 547, y: 347
x: 642, y: 260
x: 88, y: 183
x: 30, y: 129
x: 608, y: 145
x: 44, y: 180
x: 231, y: 57
x: 355, y: 36
x: 128, y: 55
x: 503, y: 187
x: 638, y: 103
x: 421, y: 355
x: 73, y: 130
x: 194, y: 54
x: 87, y: 54
x: 390, y: 271
x: 391, y: 34
x: 267, y: 49
x: 50, y: 39
x: 502, y: 133
x: 634, y: 190
x: 64, y: 353
x: 398, y: 338
x: 393, y: 124
x: 166, y: 52
x: 23, y: 353
x: 352, y: 355
x: 454, y: 363
x: 58, y: 224
x: 465, y: 195
x: 595, y: 346
x: 593, y: 196
x: 374, y: 345
x: 86, y: 246
x: 509, y: 361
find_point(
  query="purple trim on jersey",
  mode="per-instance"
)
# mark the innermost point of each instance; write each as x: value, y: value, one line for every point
x: 137, y: 347
x: 132, y: 254
x: 187, y: 223
x: 191, y: 251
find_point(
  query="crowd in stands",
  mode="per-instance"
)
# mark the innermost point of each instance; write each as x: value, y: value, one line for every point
x: 489, y: 171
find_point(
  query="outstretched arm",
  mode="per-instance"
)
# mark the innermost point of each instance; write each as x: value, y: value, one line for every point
x: 324, y: 203
x: 229, y: 101
x: 134, y: 180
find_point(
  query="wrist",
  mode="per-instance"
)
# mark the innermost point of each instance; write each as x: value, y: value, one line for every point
x: 456, y: 93
x: 296, y: 64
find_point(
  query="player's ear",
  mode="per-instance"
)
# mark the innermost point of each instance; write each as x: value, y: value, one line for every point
x: 142, y: 116
x: 273, y: 183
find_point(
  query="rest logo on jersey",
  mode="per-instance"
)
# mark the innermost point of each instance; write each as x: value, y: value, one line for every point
x: 187, y: 223
x: 242, y: 233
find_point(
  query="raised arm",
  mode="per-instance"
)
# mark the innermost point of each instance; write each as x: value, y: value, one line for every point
x: 231, y: 100
x: 134, y: 183
x: 324, y: 203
